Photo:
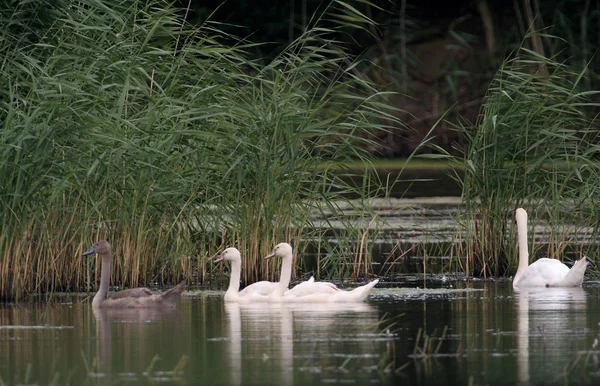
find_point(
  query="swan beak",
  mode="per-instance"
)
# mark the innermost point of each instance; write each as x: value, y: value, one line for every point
x: 90, y: 251
x: 220, y: 258
x: 270, y: 255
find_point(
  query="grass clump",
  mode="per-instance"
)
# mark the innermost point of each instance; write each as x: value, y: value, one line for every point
x: 534, y: 145
x: 121, y: 121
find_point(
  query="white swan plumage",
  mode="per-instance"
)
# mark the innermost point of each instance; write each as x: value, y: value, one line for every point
x: 311, y: 291
x: 257, y: 292
x: 543, y: 272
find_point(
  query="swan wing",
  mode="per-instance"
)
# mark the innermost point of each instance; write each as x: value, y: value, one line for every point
x: 132, y: 293
x: 544, y: 272
x: 358, y: 294
x: 574, y: 278
x: 309, y: 288
x: 260, y: 288
x: 130, y: 302
x: 323, y: 292
x: 173, y: 294
x: 166, y: 299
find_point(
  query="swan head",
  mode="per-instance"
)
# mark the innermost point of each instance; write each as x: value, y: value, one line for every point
x: 101, y: 247
x: 281, y: 250
x: 521, y: 215
x: 229, y: 254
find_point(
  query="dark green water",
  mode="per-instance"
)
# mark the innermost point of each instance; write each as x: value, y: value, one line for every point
x: 493, y: 336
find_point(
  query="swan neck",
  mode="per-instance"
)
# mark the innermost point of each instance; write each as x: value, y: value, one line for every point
x: 286, y: 273
x: 523, y: 252
x: 104, y: 278
x: 234, y: 279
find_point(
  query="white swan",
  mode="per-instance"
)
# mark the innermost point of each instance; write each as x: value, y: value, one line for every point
x: 259, y: 291
x: 254, y: 292
x: 313, y: 292
x: 543, y: 272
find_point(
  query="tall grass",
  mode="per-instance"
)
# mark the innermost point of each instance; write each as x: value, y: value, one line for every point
x: 535, y: 145
x: 120, y: 121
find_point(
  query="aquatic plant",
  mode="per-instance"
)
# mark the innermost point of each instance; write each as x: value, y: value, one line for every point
x: 427, y: 350
x: 123, y: 122
x: 534, y: 146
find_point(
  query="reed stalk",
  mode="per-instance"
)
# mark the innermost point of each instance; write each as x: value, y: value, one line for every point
x: 533, y: 146
x: 122, y: 121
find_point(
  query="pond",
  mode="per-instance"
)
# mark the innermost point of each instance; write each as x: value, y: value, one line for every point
x: 455, y: 332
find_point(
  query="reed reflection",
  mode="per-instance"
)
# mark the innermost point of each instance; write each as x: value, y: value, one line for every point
x: 34, y: 339
x: 547, y: 320
x: 263, y: 337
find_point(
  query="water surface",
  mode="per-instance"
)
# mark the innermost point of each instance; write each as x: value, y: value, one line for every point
x: 458, y: 333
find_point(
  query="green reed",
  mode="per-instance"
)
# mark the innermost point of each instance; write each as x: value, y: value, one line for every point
x: 533, y: 146
x: 121, y: 121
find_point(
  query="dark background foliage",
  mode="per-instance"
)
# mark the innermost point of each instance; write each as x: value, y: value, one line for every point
x: 439, y: 56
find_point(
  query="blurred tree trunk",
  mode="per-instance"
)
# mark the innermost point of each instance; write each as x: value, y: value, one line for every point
x: 403, y: 57
x: 291, y: 23
x: 536, y: 40
x: 488, y: 25
x: 304, y: 15
x: 583, y: 22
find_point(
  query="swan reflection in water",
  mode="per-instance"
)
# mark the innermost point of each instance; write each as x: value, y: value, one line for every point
x: 145, y: 321
x: 547, y: 320
x: 269, y: 332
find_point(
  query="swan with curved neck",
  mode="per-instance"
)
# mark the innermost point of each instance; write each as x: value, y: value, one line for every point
x: 131, y: 298
x: 259, y: 291
x: 543, y: 272
x: 254, y: 292
x: 313, y: 292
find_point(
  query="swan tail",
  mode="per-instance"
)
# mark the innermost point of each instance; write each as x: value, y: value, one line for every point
x: 359, y: 294
x: 575, y: 276
x: 173, y: 294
